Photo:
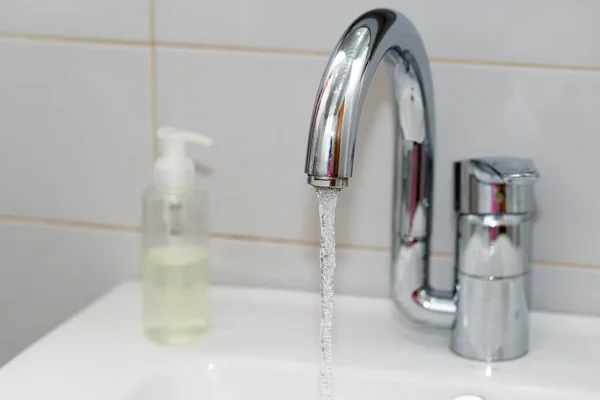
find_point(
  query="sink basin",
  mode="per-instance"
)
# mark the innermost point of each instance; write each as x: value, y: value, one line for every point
x: 264, y: 345
x: 235, y: 379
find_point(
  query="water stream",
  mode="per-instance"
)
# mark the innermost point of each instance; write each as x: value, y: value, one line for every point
x: 327, y: 201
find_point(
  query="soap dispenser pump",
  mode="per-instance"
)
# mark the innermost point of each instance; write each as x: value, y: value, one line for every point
x: 175, y: 244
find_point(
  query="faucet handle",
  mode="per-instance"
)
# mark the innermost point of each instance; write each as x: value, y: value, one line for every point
x: 508, y: 170
x: 492, y: 185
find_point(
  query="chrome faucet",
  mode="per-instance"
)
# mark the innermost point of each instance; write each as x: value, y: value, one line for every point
x: 488, y: 309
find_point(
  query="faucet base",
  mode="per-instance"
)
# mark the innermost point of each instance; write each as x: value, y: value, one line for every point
x: 492, y: 320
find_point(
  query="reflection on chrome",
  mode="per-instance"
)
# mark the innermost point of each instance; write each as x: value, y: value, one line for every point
x: 488, y: 310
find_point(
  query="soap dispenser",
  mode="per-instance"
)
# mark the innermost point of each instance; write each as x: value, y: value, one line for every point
x: 175, y: 244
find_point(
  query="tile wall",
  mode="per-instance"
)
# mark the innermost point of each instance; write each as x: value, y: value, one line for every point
x: 84, y: 85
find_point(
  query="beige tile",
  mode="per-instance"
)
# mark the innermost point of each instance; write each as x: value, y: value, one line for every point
x: 512, y: 30
x: 76, y: 141
x: 258, y: 108
x: 114, y: 19
x: 49, y: 273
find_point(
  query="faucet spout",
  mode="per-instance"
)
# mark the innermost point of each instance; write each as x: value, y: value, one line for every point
x: 384, y: 34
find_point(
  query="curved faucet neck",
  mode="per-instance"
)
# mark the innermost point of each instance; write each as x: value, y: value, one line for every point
x: 376, y: 35
x: 388, y: 35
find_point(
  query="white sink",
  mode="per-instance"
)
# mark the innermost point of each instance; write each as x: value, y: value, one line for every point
x: 258, y: 380
x: 263, y: 345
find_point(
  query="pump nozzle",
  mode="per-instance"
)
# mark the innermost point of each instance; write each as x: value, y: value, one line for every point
x: 174, y: 139
x: 174, y: 170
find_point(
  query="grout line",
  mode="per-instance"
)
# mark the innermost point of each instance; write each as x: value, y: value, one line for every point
x: 295, y: 242
x: 153, y: 104
x: 314, y: 53
x: 151, y: 21
x: 226, y: 236
x: 241, y: 49
x: 153, y: 79
x: 265, y: 50
x: 68, y: 224
x: 74, y: 40
x: 568, y: 265
x: 509, y: 64
x: 255, y: 239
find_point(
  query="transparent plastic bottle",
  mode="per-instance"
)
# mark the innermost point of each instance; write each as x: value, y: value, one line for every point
x: 175, y: 246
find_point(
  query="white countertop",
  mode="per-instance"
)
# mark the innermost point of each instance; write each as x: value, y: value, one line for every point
x: 101, y: 352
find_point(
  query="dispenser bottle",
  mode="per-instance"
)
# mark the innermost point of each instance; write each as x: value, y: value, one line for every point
x: 175, y: 244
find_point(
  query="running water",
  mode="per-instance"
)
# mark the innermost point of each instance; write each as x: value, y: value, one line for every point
x: 327, y: 201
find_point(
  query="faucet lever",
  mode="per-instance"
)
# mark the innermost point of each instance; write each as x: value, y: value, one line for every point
x: 494, y: 207
x: 492, y: 185
x: 504, y: 170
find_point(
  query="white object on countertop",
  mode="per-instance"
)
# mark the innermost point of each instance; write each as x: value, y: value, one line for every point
x: 264, y: 345
x: 175, y: 244
x: 174, y: 170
